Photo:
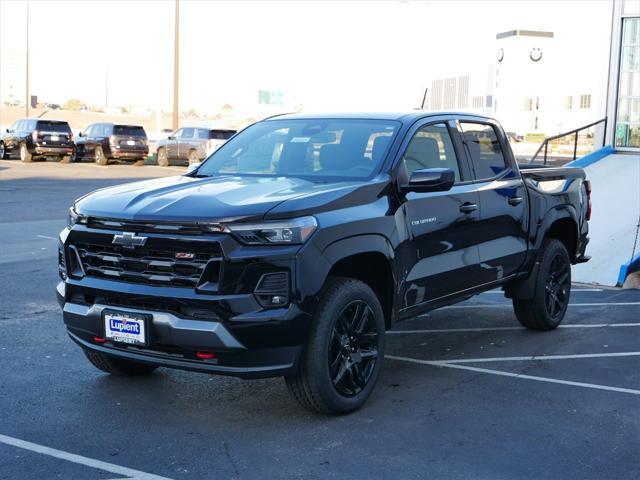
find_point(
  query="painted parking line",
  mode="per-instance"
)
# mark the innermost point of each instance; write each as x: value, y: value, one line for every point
x: 46, y: 237
x: 129, y: 473
x: 573, y: 290
x: 451, y: 364
x: 499, y: 329
x: 540, y: 357
x: 509, y: 305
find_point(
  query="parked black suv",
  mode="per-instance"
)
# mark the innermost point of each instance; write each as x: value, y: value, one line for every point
x: 105, y: 141
x: 191, y: 145
x: 33, y: 138
x: 291, y: 249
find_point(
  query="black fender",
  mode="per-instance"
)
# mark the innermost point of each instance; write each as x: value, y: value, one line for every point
x: 524, y: 288
x: 323, y: 261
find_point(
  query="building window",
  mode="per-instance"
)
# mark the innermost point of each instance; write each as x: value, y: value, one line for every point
x: 585, y: 101
x: 436, y: 95
x: 450, y: 93
x: 463, y: 92
x: 528, y: 104
x: 568, y: 102
x: 478, y: 101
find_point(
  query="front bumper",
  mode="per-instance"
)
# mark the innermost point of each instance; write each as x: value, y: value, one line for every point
x: 174, y: 342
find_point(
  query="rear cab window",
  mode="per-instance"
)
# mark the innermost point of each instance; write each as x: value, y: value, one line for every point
x: 487, y: 158
x: 129, y: 131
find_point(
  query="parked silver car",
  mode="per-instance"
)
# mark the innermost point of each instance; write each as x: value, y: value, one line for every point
x: 190, y: 144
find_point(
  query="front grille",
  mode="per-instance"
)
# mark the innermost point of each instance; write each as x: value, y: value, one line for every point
x: 143, y: 265
x: 142, y: 227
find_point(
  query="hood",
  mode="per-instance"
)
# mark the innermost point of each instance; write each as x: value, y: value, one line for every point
x: 213, y: 199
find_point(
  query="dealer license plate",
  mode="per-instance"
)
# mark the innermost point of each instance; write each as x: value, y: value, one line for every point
x: 125, y: 327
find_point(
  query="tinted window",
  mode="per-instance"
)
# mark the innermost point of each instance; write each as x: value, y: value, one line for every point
x: 202, y: 133
x: 20, y: 124
x: 431, y: 147
x: 221, y: 134
x: 485, y: 150
x: 129, y: 130
x: 314, y: 147
x: 87, y: 132
x: 49, y: 126
x: 187, y: 133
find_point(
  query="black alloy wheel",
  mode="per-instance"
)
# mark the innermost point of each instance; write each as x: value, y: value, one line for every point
x: 353, y: 350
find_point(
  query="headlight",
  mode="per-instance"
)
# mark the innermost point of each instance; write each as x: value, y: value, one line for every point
x: 287, y: 232
x: 74, y: 218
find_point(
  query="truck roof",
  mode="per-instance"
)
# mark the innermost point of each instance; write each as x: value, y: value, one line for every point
x: 399, y: 116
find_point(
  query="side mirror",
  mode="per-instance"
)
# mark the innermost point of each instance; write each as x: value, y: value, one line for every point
x: 171, y: 137
x: 8, y: 130
x: 430, y: 180
x: 192, y: 167
x: 80, y: 134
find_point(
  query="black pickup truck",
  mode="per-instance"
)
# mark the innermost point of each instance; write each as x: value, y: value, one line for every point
x: 292, y: 248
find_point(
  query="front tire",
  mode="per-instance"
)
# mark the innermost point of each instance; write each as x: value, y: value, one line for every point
x: 343, y: 357
x: 549, y: 304
x: 118, y: 366
x: 163, y: 159
x: 25, y: 156
x: 100, y: 157
x: 3, y: 151
x: 193, y: 157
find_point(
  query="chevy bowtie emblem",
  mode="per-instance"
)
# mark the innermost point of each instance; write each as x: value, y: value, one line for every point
x: 129, y: 240
x: 185, y: 256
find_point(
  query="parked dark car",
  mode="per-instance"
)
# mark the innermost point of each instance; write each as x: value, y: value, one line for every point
x: 292, y: 248
x: 106, y: 141
x: 33, y: 138
x: 191, y: 145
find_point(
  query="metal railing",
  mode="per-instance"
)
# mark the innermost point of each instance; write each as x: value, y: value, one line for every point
x: 545, y: 145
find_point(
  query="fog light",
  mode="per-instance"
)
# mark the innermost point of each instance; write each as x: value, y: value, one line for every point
x: 272, y: 289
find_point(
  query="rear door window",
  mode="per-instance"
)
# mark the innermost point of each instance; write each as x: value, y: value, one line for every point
x: 129, y: 131
x: 202, y: 133
x: 187, y: 133
x: 487, y: 157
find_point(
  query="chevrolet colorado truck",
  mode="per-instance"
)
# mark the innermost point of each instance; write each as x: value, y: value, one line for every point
x: 296, y: 245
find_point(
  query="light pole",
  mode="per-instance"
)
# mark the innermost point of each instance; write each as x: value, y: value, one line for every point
x: 27, y: 100
x: 176, y: 65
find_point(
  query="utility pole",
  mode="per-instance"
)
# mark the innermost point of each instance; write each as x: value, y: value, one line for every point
x: 176, y: 65
x: 27, y: 100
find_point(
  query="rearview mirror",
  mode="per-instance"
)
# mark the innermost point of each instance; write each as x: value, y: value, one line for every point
x: 430, y: 180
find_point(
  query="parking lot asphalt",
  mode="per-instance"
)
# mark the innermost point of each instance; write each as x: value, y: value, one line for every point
x: 465, y: 392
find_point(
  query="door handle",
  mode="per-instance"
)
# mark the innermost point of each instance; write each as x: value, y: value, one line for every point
x: 513, y: 201
x: 468, y: 207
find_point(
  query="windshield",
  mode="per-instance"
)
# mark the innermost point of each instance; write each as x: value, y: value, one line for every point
x: 314, y: 147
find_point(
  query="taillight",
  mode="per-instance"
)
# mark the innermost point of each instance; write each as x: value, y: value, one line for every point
x: 112, y: 140
x: 587, y: 187
x: 35, y: 134
x: 208, y: 145
x: 71, y: 136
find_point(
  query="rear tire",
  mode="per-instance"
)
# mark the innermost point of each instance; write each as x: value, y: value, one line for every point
x: 162, y: 158
x: 549, y: 304
x: 66, y: 159
x: 118, y: 366
x: 99, y: 157
x: 343, y: 357
x: 25, y: 156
